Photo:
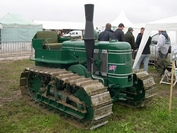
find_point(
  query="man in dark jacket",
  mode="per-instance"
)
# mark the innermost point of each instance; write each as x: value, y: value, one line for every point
x: 139, y: 37
x: 119, y: 33
x: 107, y: 34
x: 145, y: 56
x: 130, y: 38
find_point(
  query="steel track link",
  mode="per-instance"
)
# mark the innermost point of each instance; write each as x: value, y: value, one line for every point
x: 99, y: 95
x: 149, y: 86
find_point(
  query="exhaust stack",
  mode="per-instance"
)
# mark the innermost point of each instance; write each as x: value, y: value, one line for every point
x: 89, y: 39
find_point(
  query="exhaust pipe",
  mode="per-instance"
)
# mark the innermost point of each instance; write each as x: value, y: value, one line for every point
x: 89, y: 38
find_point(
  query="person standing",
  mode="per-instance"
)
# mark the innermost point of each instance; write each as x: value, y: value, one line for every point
x: 119, y: 33
x: 131, y: 40
x: 145, y: 56
x: 107, y: 34
x: 162, y: 48
x: 139, y: 37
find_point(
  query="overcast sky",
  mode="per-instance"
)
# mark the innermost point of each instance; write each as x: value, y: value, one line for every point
x: 137, y: 11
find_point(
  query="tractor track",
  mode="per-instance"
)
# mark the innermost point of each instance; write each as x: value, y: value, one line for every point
x: 99, y: 95
x: 148, y: 84
x: 97, y: 92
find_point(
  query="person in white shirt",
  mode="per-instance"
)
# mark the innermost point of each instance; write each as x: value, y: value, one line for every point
x: 162, y: 47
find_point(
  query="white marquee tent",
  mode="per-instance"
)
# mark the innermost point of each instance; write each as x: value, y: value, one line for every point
x: 15, y: 27
x: 62, y: 25
x: 168, y: 24
x: 127, y: 23
x: 123, y: 19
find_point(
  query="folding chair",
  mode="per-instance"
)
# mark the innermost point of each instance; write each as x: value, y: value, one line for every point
x: 166, y: 77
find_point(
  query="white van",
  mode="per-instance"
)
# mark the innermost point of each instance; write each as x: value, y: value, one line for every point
x: 77, y: 33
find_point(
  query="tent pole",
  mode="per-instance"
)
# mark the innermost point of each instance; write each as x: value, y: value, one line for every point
x: 171, y: 87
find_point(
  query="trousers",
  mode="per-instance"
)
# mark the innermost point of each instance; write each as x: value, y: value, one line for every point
x: 162, y: 55
x: 145, y: 58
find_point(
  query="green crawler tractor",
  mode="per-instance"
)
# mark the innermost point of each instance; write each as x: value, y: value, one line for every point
x: 81, y: 79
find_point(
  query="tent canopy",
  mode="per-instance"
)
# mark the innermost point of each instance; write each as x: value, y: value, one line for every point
x: 168, y: 24
x: 123, y: 19
x: 15, y: 27
x: 62, y: 25
x: 17, y: 20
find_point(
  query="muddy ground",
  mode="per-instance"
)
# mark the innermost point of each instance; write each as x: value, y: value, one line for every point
x: 15, y: 95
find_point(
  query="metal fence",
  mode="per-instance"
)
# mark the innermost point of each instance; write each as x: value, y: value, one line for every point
x: 15, y: 49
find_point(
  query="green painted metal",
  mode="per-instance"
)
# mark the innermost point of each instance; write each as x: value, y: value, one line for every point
x: 72, y: 56
x: 119, y: 56
x: 35, y: 85
x: 140, y: 91
x: 79, y: 69
x: 62, y: 39
x: 83, y: 96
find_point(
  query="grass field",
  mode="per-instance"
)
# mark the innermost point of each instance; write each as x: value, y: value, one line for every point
x: 18, y: 117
